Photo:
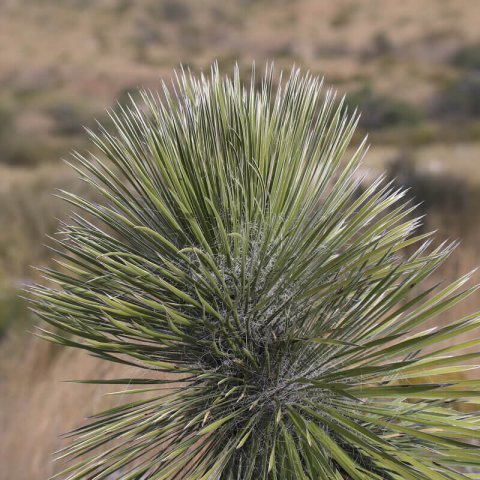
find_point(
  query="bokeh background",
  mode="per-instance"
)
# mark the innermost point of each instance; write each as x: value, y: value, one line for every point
x: 412, y: 67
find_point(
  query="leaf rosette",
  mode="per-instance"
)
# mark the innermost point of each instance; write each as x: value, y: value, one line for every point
x: 263, y: 293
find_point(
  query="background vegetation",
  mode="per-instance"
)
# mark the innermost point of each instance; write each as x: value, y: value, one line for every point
x: 412, y: 68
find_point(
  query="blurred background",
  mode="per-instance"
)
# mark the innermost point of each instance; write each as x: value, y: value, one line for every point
x: 412, y: 67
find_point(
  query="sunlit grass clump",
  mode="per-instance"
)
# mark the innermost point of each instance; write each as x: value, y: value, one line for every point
x: 236, y: 250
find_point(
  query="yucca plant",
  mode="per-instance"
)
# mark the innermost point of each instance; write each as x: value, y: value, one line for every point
x: 271, y: 304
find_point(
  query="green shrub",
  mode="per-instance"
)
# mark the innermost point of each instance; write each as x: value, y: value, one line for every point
x: 379, y: 111
x: 265, y: 302
x: 21, y: 152
x: 468, y: 58
x: 68, y: 118
x: 126, y: 94
x: 381, y: 45
x: 170, y: 10
x: 6, y: 120
x: 425, y: 133
x: 460, y: 100
x: 344, y: 15
x: 13, y: 310
x: 440, y: 192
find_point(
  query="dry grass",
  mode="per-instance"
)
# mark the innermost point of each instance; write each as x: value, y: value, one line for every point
x: 30, y: 212
x: 247, y: 30
x: 37, y: 408
x: 107, y: 46
x: 39, y: 405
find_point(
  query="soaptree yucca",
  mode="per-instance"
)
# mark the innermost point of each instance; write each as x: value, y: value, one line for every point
x: 270, y: 302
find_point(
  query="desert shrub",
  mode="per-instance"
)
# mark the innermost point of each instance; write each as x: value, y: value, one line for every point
x: 380, y: 45
x: 7, y: 152
x: 170, y: 10
x: 123, y: 6
x: 30, y: 212
x: 379, y: 111
x: 285, y: 50
x: 460, y: 100
x: 425, y: 133
x: 13, y: 310
x: 126, y: 94
x: 173, y: 11
x: 467, y: 57
x: 344, y: 15
x: 266, y: 303
x: 441, y: 192
x: 20, y: 152
x: 6, y: 120
x: 144, y: 36
x: 68, y: 117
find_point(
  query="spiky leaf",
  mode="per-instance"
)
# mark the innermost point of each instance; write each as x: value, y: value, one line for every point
x: 272, y: 305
